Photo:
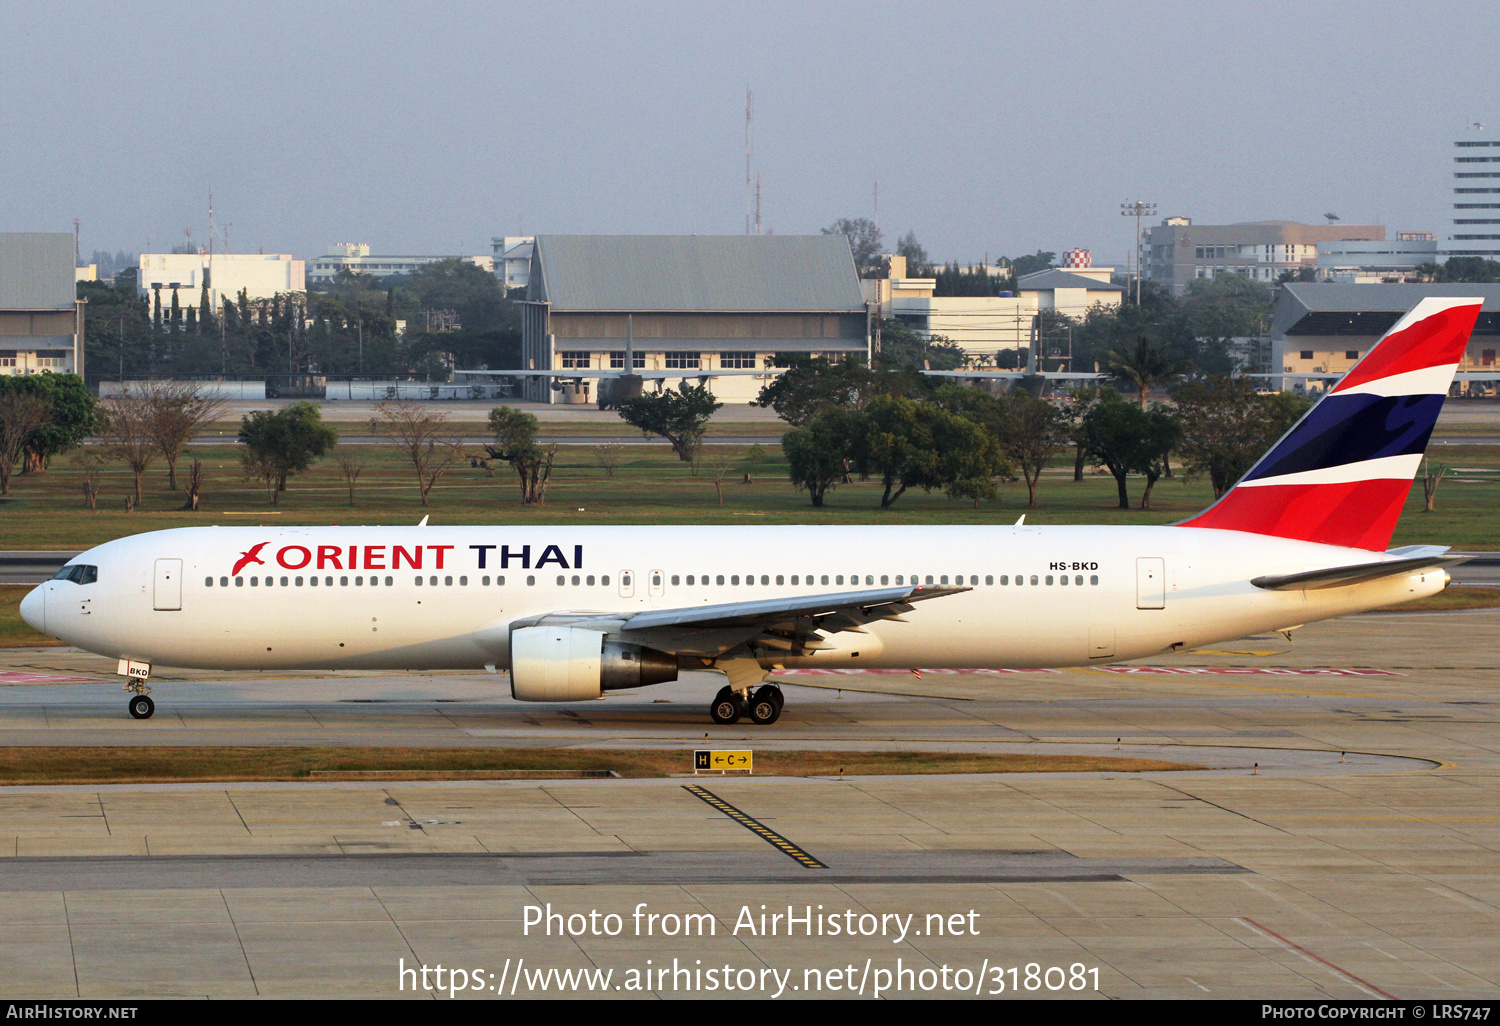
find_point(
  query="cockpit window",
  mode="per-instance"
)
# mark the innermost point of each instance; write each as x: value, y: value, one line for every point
x: 78, y: 573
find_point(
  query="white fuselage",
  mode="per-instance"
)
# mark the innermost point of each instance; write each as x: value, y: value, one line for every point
x: 345, y: 598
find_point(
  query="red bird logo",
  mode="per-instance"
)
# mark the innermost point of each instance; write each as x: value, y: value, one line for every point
x: 253, y: 556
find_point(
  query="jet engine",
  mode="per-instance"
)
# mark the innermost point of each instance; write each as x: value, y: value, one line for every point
x: 575, y: 664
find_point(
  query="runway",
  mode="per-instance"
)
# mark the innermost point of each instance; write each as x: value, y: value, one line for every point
x: 1366, y: 835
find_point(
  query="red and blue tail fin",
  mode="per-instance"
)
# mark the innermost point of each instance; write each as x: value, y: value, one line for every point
x: 1341, y: 475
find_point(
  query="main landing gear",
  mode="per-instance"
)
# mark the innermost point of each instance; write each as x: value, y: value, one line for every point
x: 763, y: 705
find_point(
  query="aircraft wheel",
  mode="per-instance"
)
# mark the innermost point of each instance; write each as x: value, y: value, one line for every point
x: 141, y: 707
x: 728, y: 707
x: 764, y: 707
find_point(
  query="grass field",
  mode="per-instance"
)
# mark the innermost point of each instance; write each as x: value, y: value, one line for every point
x: 651, y: 486
x: 124, y: 765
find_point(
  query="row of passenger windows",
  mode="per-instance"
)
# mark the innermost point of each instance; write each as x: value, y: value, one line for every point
x: 693, y: 580
x: 869, y: 579
x: 358, y: 582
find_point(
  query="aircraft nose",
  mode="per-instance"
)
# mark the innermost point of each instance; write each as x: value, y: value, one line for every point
x: 34, y: 608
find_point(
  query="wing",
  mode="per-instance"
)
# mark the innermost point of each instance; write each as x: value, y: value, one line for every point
x: 793, y: 625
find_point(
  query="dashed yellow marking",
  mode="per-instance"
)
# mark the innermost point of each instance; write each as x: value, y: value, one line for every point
x: 754, y: 826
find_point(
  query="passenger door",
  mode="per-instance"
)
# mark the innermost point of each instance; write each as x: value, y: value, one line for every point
x: 657, y: 584
x: 627, y: 583
x: 167, y: 593
x: 1150, y: 582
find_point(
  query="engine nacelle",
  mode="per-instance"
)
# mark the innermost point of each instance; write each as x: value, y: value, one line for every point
x: 575, y: 664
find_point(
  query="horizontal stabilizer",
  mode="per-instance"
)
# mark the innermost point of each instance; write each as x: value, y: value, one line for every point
x: 1342, y: 576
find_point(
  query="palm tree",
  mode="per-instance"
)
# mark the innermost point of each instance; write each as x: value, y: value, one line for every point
x: 1146, y: 365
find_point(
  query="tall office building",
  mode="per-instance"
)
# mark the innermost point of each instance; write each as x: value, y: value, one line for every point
x: 1476, y: 196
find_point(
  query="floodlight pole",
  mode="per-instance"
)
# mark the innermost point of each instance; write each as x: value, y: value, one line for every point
x: 1138, y: 210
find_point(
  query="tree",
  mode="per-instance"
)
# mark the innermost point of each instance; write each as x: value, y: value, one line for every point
x: 1128, y: 439
x: 1430, y: 482
x: 71, y: 415
x: 351, y: 463
x: 283, y: 442
x: 970, y: 463
x: 902, y: 347
x: 176, y: 411
x: 812, y: 384
x: 917, y: 263
x: 953, y: 280
x: 1159, y: 434
x: 608, y: 455
x: 1146, y: 365
x: 1031, y: 432
x: 1469, y: 269
x: 1226, y: 426
x: 91, y: 472
x: 864, y: 240
x: 679, y: 417
x: 515, y: 443
x: 1081, y: 399
x: 818, y: 453
x: 417, y: 432
x: 1217, y: 310
x: 920, y: 444
x: 195, y: 485
x: 127, y: 434
x: 720, y: 466
x: 1023, y: 265
x: 20, y: 415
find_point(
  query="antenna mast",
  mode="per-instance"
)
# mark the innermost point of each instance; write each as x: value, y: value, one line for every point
x: 750, y: 199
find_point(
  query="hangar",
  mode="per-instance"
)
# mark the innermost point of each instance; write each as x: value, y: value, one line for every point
x: 1323, y: 328
x: 41, y: 318
x: 694, y: 303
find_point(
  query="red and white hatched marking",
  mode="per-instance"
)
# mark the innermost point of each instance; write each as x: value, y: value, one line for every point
x: 17, y: 677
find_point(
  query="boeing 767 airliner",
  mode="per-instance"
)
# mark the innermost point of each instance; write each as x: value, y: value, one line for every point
x: 574, y: 612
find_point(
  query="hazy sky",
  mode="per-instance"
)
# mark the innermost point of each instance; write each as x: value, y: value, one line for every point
x: 990, y: 127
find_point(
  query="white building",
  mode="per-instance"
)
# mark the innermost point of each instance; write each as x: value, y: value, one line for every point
x: 357, y: 258
x: 1178, y: 251
x: 1366, y: 262
x: 986, y: 326
x: 513, y: 259
x: 1476, y: 196
x: 982, y: 326
x: 1071, y: 291
x: 259, y: 275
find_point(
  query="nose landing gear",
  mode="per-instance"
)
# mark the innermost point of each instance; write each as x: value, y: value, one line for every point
x: 140, y: 705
